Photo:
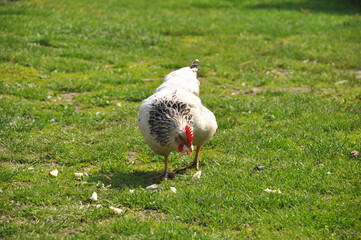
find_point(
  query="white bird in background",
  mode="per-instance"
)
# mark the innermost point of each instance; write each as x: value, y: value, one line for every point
x: 173, y: 118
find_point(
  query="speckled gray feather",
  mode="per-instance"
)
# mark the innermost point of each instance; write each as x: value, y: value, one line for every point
x: 164, y: 117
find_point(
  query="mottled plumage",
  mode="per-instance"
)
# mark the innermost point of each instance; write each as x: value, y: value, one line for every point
x: 164, y: 117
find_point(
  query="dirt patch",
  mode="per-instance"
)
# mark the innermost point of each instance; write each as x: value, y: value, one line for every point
x: 146, y: 214
x: 68, y: 127
x: 5, y: 218
x: 247, y: 92
x: 149, y: 80
x: 69, y: 97
x: 132, y: 156
x: 8, y: 163
x: 50, y: 164
x: 70, y: 231
x: 86, y: 169
x: 255, y: 91
x: 300, y: 90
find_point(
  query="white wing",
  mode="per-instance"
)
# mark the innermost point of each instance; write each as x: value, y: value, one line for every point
x: 184, y: 78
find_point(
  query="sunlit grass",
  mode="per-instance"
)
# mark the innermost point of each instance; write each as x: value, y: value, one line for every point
x: 282, y: 77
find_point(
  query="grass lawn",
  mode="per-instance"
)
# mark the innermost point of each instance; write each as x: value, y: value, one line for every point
x: 283, y: 78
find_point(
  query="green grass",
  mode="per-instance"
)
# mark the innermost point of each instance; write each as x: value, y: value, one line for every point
x: 72, y: 77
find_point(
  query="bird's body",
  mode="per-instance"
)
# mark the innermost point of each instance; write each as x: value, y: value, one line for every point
x: 173, y: 118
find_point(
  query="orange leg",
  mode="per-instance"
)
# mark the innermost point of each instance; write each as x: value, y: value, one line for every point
x: 166, y: 171
x: 197, y: 159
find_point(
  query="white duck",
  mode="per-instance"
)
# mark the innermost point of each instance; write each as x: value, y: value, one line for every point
x: 174, y: 117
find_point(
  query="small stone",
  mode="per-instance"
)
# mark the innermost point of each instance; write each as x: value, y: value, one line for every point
x: 259, y: 167
x: 354, y: 153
